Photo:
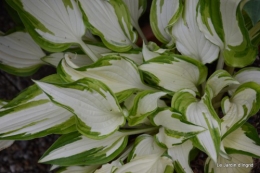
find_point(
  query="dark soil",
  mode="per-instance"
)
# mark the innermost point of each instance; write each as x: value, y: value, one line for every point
x: 22, y: 156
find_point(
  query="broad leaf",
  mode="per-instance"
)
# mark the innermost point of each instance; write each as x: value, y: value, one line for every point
x: 163, y: 14
x: 54, y: 25
x: 238, y: 163
x: 174, y: 130
x: 145, y: 145
x: 190, y: 41
x: 98, y: 112
x: 111, y: 21
x: 76, y: 149
x: 243, y: 140
x: 120, y: 74
x: 180, y: 156
x: 145, y: 103
x: 174, y: 72
x: 200, y: 113
x: 148, y: 164
x: 31, y: 115
x: 244, y: 103
x: 19, y: 54
x: 222, y: 23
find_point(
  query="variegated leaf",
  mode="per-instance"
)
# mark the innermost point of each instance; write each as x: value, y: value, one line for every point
x: 19, y: 54
x: 97, y: 110
x: 164, y: 13
x: 190, y: 41
x: 120, y: 74
x: 54, y: 25
x: 111, y: 21
x: 174, y: 72
x: 222, y: 23
x: 76, y: 149
x: 244, y: 103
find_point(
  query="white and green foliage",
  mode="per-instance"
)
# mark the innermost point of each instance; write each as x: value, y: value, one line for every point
x: 123, y: 108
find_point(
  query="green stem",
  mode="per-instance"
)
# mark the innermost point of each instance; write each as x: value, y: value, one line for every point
x: 220, y: 64
x: 230, y: 70
x: 88, y: 51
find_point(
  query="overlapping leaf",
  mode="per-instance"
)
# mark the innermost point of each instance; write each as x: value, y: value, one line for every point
x: 222, y: 23
x: 54, y: 25
x: 174, y: 72
x: 111, y: 21
x: 97, y: 110
x: 120, y: 74
x: 19, y: 54
x: 31, y: 115
x: 76, y: 149
x: 190, y: 41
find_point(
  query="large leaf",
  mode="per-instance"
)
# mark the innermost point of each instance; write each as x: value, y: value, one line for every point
x: 174, y: 130
x: 54, y: 25
x: 244, y: 103
x: 120, y: 74
x: 180, y: 156
x: 222, y: 23
x: 98, y: 112
x: 111, y: 21
x: 200, y: 113
x: 31, y: 115
x: 163, y: 14
x: 243, y: 140
x: 174, y: 72
x: 19, y: 54
x: 190, y: 41
x: 76, y: 149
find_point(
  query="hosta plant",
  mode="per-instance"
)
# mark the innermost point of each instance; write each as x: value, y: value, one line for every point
x: 121, y: 107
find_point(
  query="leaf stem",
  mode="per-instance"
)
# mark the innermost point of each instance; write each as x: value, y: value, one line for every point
x: 140, y: 32
x: 88, y: 51
x: 220, y: 64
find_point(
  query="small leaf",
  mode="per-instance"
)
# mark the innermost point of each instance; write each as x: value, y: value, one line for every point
x: 5, y: 144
